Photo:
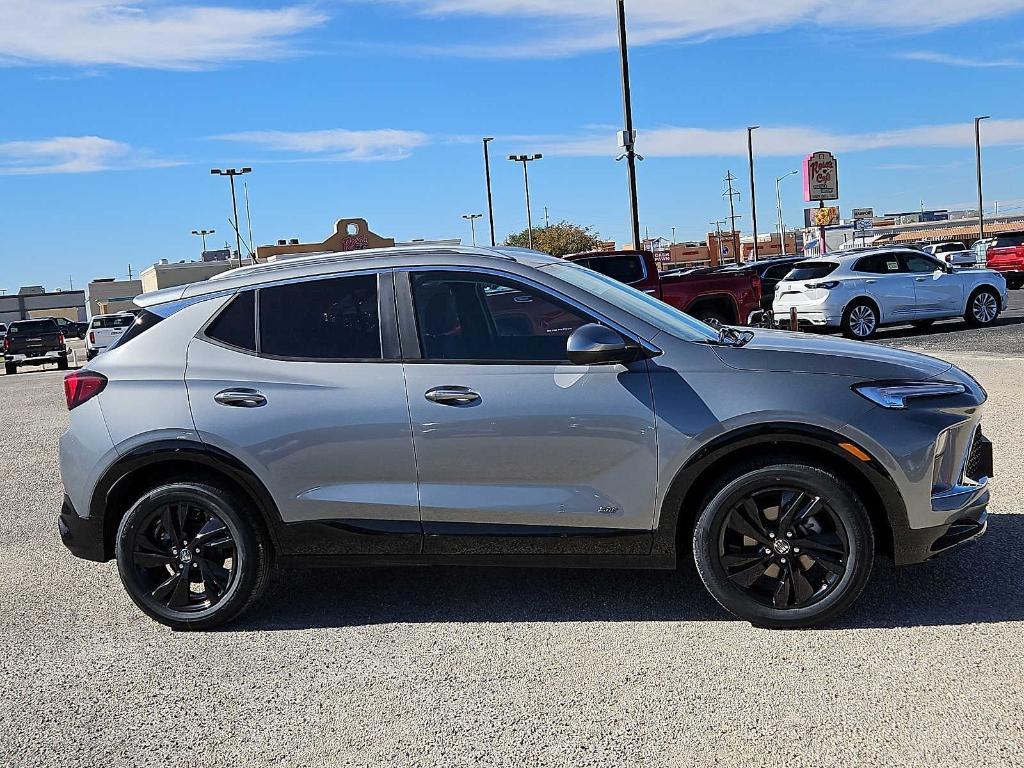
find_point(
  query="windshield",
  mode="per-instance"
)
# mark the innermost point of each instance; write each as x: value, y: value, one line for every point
x: 637, y: 303
x: 34, y: 326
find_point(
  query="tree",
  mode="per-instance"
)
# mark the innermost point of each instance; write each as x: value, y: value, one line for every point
x: 559, y: 239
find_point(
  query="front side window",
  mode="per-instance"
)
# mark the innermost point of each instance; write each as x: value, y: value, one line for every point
x: 467, y: 316
x: 624, y: 267
x: 921, y: 264
x: 332, y: 319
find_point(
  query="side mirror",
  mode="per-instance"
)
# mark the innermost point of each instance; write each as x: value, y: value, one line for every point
x: 594, y: 344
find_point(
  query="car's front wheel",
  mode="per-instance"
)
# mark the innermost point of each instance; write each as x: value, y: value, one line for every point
x: 860, y: 321
x: 783, y: 544
x: 190, y: 555
x: 982, y: 307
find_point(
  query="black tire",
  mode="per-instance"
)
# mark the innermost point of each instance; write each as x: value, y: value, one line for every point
x: 983, y: 307
x: 10, y: 368
x: 860, y: 320
x: 712, y: 317
x: 62, y: 363
x: 922, y: 323
x: 232, y: 566
x: 90, y: 354
x: 746, y: 574
x: 1015, y: 283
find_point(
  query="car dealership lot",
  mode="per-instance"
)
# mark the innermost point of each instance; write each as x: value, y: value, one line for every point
x: 448, y: 666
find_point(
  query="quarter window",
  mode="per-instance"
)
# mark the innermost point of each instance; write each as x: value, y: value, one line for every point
x: 236, y: 324
x: 879, y: 264
x: 463, y: 316
x: 333, y: 319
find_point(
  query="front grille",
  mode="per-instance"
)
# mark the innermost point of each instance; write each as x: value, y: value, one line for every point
x: 975, y: 457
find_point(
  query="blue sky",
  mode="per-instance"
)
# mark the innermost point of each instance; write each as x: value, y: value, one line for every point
x: 117, y: 109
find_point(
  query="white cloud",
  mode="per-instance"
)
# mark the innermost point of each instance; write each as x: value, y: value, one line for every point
x: 337, y: 144
x: 583, y: 25
x: 73, y: 154
x: 145, y: 33
x: 791, y: 141
x: 934, y: 57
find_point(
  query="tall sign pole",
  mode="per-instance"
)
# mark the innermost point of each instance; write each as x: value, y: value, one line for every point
x: 977, y: 158
x: 487, y: 174
x: 753, y: 198
x: 628, y: 138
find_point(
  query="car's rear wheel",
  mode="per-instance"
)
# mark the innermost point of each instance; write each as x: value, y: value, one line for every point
x: 190, y: 556
x: 982, y: 307
x: 860, y: 321
x: 1015, y: 283
x: 783, y: 544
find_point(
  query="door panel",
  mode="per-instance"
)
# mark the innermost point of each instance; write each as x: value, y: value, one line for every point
x: 896, y: 295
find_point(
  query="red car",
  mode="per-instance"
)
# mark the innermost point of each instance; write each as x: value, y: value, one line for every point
x: 1006, y: 255
x: 722, y: 297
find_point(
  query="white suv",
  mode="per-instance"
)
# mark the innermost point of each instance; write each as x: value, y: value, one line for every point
x: 862, y: 291
x: 104, y: 330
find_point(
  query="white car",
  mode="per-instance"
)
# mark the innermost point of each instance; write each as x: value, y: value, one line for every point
x: 938, y: 249
x: 104, y: 330
x: 860, y: 292
x: 960, y: 259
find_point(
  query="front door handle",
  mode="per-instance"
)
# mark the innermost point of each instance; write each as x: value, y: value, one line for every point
x: 920, y: 279
x: 870, y: 282
x: 452, y: 396
x: 240, y: 398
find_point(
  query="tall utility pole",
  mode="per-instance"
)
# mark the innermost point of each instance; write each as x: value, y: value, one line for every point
x: 471, y: 218
x: 231, y: 173
x: 487, y: 175
x: 977, y: 158
x: 778, y: 210
x: 547, y: 221
x: 628, y: 137
x: 732, y: 194
x: 753, y: 197
x: 526, y: 160
x: 203, y: 233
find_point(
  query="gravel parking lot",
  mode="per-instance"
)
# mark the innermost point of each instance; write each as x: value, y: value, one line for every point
x: 496, y: 667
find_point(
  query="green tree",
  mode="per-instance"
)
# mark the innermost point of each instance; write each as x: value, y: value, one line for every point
x: 559, y: 239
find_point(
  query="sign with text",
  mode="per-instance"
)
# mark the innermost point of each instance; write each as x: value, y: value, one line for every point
x: 863, y: 213
x: 821, y: 177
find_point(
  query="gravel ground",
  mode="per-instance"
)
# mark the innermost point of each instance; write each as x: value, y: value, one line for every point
x: 504, y: 667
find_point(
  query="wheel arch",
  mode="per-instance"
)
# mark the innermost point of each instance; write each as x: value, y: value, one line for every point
x: 866, y: 299
x: 723, y: 300
x: 980, y: 287
x: 680, y: 508
x: 148, y: 465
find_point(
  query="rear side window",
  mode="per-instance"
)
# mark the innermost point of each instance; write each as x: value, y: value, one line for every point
x: 121, y: 321
x: 235, y: 326
x: 1008, y: 241
x: 812, y: 270
x: 34, y: 326
x: 626, y: 268
x: 334, y: 319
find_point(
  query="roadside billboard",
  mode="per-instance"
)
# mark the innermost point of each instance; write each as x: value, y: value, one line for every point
x: 821, y: 177
x: 821, y: 217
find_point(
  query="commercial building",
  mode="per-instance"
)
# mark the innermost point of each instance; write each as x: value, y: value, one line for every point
x: 32, y: 301
x: 106, y: 296
x: 166, y: 274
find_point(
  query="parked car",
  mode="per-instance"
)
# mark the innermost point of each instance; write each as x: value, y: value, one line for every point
x: 3, y: 331
x: 34, y: 342
x: 104, y: 330
x: 858, y: 293
x: 712, y: 296
x: 771, y: 271
x: 937, y: 249
x: 1005, y: 254
x: 960, y: 259
x: 502, y: 407
x: 70, y: 328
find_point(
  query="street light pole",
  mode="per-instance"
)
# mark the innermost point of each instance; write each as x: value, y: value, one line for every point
x: 487, y: 175
x: 977, y: 158
x: 231, y: 173
x: 203, y: 233
x: 628, y: 138
x: 471, y: 218
x: 525, y: 160
x: 753, y: 198
x: 778, y: 208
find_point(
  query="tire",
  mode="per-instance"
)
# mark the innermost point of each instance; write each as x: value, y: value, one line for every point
x: 148, y: 551
x: 712, y: 317
x: 922, y: 323
x: 746, y: 574
x: 1015, y: 283
x: 10, y: 368
x: 860, y: 320
x: 982, y: 308
x: 90, y: 354
x: 62, y: 363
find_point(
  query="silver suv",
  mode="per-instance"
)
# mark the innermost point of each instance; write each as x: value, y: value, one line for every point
x: 497, y: 406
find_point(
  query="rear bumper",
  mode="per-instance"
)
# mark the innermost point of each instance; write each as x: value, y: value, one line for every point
x: 83, y: 536
x: 52, y: 355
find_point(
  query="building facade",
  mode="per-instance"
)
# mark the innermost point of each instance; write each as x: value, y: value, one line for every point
x: 32, y: 302
x: 107, y: 296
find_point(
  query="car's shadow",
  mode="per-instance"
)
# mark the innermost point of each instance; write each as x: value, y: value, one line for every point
x: 981, y: 583
x: 939, y: 328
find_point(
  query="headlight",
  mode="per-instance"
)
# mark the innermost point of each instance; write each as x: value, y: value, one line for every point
x: 897, y: 395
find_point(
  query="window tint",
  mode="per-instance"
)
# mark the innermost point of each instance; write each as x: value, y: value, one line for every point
x: 121, y: 321
x: 811, y: 270
x: 335, y: 319
x: 462, y: 316
x: 777, y: 272
x: 236, y: 324
x: 1008, y: 241
x: 34, y: 326
x: 626, y: 268
x: 920, y: 263
x: 878, y: 264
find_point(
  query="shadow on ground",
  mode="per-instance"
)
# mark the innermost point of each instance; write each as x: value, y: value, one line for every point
x: 981, y: 583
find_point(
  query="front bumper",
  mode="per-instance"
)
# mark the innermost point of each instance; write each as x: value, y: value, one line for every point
x: 82, y: 535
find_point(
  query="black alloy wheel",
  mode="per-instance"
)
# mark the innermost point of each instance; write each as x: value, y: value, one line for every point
x: 189, y: 557
x: 783, y: 543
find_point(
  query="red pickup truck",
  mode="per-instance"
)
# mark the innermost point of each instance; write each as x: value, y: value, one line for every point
x: 1006, y: 255
x: 728, y: 298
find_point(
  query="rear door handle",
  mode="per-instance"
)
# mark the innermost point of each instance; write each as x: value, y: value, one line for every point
x: 920, y: 279
x: 870, y: 282
x: 452, y: 396
x: 240, y: 398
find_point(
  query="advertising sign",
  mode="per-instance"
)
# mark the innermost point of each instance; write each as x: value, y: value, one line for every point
x: 863, y: 213
x: 821, y: 177
x: 822, y: 217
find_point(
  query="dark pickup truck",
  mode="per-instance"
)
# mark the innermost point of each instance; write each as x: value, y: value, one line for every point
x: 716, y: 297
x: 34, y: 342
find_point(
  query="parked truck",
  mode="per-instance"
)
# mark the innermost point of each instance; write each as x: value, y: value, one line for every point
x: 1005, y: 254
x: 34, y: 342
x: 718, y: 297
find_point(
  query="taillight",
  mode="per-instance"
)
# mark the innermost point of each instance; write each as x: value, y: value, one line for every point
x: 7, y: 344
x: 60, y: 338
x: 92, y: 337
x: 81, y: 386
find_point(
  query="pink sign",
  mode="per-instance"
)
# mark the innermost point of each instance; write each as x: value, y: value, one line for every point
x: 821, y: 177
